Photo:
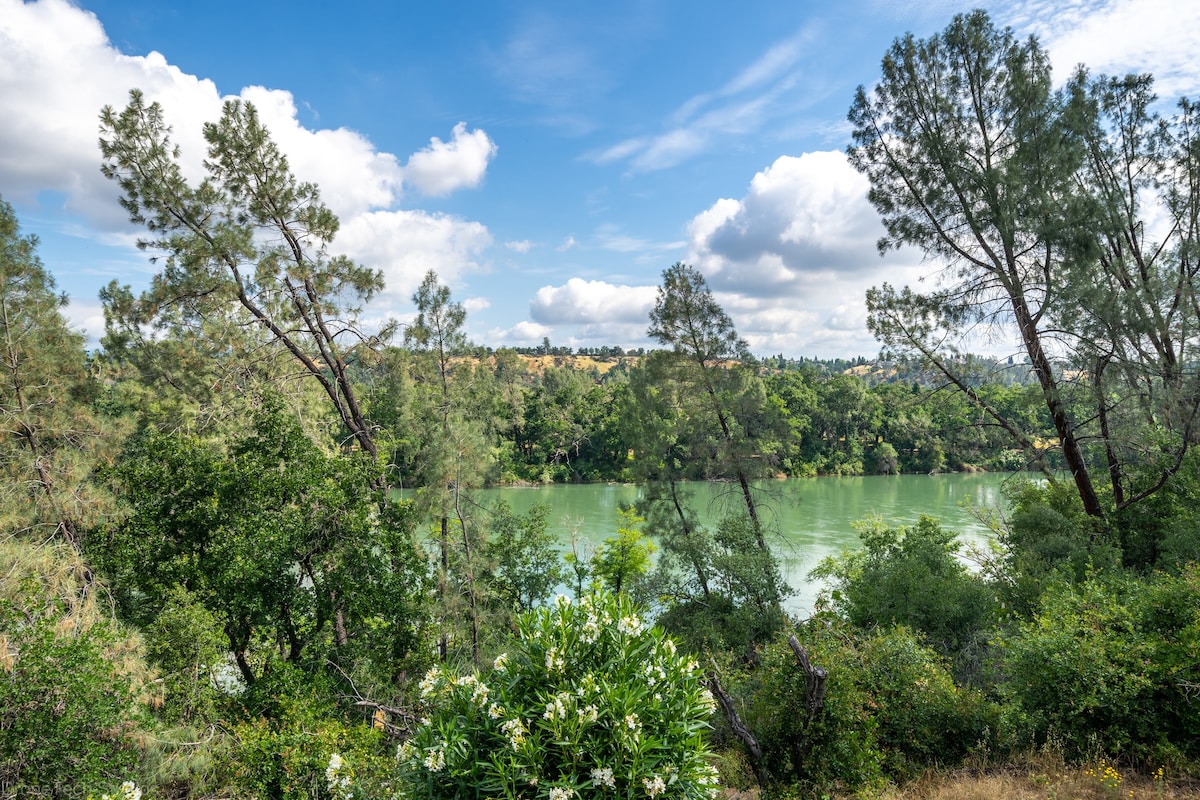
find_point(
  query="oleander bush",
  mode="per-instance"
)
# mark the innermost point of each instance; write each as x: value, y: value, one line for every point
x: 590, y: 702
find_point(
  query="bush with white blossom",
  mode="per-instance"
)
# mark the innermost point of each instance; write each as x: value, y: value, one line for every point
x: 590, y: 703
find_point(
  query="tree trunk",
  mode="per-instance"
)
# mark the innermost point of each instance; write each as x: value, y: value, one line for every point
x: 701, y: 574
x: 1063, y: 425
x: 814, y: 693
x: 443, y: 640
x: 753, y: 748
x: 470, y: 570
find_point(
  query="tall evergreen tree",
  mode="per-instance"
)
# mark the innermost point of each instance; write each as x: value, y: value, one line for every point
x: 452, y: 449
x: 710, y: 359
x: 1038, y: 204
x: 50, y: 438
x: 246, y: 252
x: 972, y: 157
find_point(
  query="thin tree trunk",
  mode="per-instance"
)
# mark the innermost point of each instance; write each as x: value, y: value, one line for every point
x: 443, y: 640
x: 470, y: 570
x: 814, y: 695
x: 701, y: 574
x: 747, y: 737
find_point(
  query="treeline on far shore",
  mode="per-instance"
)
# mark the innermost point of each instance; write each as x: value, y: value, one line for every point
x: 562, y: 415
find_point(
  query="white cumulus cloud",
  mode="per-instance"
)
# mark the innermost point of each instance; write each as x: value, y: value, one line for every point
x: 407, y: 244
x: 792, y: 259
x: 803, y: 216
x: 444, y: 167
x: 58, y: 68
x: 583, y: 302
x: 1119, y: 36
x: 521, y: 334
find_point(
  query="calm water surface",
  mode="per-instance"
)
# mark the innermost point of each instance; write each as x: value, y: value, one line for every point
x: 812, y: 517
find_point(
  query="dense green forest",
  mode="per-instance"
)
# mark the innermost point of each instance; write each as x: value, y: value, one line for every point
x: 241, y: 552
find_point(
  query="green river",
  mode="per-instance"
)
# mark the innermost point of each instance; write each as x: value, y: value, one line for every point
x: 811, y: 516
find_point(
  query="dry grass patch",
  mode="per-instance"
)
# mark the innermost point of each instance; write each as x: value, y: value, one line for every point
x: 1044, y: 779
x: 1039, y: 777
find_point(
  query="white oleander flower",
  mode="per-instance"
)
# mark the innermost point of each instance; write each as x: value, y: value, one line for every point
x: 557, y: 708
x: 515, y: 729
x: 501, y: 662
x: 654, y: 786
x: 591, y: 631
x: 435, y: 761
x: 554, y: 660
x: 603, y: 776
x: 331, y: 771
x: 561, y: 793
x: 430, y: 681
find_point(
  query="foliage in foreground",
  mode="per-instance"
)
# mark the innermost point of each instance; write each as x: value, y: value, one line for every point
x: 590, y: 702
x: 68, y: 678
x: 1111, y: 665
x: 891, y: 708
x: 910, y: 576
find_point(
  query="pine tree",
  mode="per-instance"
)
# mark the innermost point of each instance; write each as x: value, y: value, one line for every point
x: 50, y: 439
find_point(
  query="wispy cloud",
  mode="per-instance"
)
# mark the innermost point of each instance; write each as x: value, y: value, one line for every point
x: 778, y: 61
x: 546, y: 62
x: 610, y: 237
x: 742, y: 103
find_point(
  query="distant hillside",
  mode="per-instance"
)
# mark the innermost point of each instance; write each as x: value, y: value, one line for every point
x: 537, y: 364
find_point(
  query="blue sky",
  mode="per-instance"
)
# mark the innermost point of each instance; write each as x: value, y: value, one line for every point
x: 548, y: 160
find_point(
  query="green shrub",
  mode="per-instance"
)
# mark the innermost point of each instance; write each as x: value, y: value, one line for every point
x: 1049, y: 539
x: 1163, y: 530
x: 69, y: 678
x: 891, y: 710
x: 590, y: 702
x: 717, y: 624
x: 911, y: 577
x: 1111, y: 665
x: 187, y: 645
x: 284, y: 754
x: 65, y: 710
